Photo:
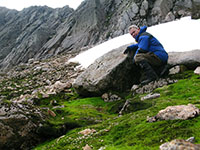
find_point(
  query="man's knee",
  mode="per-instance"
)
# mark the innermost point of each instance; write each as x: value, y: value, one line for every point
x: 138, y: 58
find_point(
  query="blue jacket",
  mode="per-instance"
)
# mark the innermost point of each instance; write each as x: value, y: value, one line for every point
x: 147, y: 42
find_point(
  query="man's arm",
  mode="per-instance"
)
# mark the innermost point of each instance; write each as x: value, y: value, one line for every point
x: 133, y: 47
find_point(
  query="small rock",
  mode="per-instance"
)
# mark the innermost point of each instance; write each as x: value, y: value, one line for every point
x: 51, y: 113
x: 87, y: 131
x: 87, y: 147
x: 36, y: 62
x: 169, y: 17
x: 70, y: 63
x: 38, y: 68
x: 151, y: 119
x: 105, y: 97
x: 150, y: 96
x: 102, y: 148
x: 191, y: 140
x: 134, y: 87
x: 30, y: 61
x: 126, y: 105
x: 48, y: 82
x: 177, y: 69
x: 197, y: 70
x: 109, y: 97
x: 61, y: 86
x: 114, y: 97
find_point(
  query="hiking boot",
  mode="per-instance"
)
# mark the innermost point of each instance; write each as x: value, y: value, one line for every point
x: 165, y: 71
x: 150, y: 74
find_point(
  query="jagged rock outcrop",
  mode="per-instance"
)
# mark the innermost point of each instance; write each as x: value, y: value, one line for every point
x: 6, y: 15
x: 112, y: 71
x: 82, y: 29
x: 27, y: 31
x: 42, y: 32
x: 6, y: 37
x: 111, y: 18
x: 19, y: 124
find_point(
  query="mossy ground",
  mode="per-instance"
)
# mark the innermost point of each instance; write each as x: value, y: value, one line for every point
x: 131, y: 130
x: 73, y: 112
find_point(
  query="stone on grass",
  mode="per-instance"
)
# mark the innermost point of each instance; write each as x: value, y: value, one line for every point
x: 87, y: 147
x: 182, y: 112
x: 179, y: 144
x: 109, y: 97
x: 150, y: 96
x: 87, y: 131
x: 197, y: 70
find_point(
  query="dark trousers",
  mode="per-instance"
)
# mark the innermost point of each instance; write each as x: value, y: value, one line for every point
x: 152, y: 59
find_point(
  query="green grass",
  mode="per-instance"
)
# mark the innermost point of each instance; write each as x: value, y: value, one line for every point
x: 72, y: 114
x: 131, y: 130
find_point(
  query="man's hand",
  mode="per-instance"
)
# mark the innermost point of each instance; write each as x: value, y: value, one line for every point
x: 127, y: 50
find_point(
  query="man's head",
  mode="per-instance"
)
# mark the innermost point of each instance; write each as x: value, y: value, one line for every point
x: 134, y: 30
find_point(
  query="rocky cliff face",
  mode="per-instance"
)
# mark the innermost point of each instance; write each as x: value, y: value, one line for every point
x: 5, y: 37
x: 23, y: 33
x: 42, y: 32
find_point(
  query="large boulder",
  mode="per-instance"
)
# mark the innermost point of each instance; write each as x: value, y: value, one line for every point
x: 112, y: 71
x: 19, y: 124
x: 190, y: 59
x: 115, y: 71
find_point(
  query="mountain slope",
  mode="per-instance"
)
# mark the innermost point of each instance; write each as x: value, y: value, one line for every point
x: 68, y: 114
x: 131, y: 130
x: 27, y: 31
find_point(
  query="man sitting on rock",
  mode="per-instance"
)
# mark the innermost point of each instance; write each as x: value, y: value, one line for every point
x: 150, y: 55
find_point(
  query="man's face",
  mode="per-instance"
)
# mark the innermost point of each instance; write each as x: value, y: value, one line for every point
x: 134, y: 32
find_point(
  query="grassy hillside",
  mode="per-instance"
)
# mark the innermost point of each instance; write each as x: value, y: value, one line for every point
x: 129, y: 131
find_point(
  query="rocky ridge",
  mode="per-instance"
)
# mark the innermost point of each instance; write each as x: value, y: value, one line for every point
x: 27, y: 31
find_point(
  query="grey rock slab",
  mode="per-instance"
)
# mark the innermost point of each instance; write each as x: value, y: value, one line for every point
x: 191, y: 59
x: 112, y: 71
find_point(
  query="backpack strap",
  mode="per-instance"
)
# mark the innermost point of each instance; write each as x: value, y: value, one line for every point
x: 147, y: 34
x: 150, y: 37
